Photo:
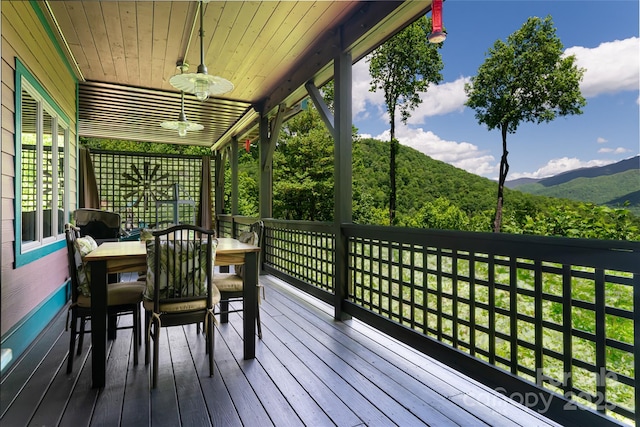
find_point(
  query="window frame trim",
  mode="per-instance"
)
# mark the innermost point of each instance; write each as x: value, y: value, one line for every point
x: 47, y: 246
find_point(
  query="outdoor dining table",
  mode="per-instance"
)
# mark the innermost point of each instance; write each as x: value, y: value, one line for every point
x: 131, y: 256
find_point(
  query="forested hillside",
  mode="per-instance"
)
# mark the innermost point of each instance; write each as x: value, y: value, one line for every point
x: 617, y: 190
x: 625, y: 165
x: 430, y: 193
x: 422, y: 179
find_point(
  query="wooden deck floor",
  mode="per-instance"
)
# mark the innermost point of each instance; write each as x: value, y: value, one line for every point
x: 309, y: 370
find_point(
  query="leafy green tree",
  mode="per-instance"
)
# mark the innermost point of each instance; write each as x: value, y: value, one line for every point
x: 247, y: 186
x: 525, y: 79
x: 403, y: 66
x: 248, y: 183
x: 441, y: 214
x: 303, y: 169
x: 585, y: 220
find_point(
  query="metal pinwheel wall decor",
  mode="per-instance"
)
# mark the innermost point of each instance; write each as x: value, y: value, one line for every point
x: 147, y: 186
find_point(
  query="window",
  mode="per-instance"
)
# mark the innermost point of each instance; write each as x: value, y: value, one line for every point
x: 42, y: 146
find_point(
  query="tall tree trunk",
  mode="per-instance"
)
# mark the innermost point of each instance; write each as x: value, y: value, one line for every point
x: 504, y: 169
x: 392, y: 172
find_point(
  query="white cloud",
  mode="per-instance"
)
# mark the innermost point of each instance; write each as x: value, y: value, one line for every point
x: 438, y: 100
x: 361, y: 96
x: 611, y: 67
x: 441, y: 99
x: 463, y: 155
x: 556, y: 166
x: 619, y: 150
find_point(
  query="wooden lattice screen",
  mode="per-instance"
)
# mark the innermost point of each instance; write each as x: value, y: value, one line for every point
x: 135, y: 184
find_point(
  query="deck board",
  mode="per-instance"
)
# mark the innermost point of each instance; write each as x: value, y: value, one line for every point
x: 309, y: 370
x: 219, y: 407
x: 401, y: 405
x: 83, y: 398
x: 34, y: 392
x: 137, y: 403
x: 246, y: 401
x: 12, y: 385
x: 108, y: 408
x: 164, y: 400
x: 58, y: 393
x: 193, y: 408
x: 298, y: 384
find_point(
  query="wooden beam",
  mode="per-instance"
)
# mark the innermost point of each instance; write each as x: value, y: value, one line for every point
x: 322, y: 107
x: 276, y: 125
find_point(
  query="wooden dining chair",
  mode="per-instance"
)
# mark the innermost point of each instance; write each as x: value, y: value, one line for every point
x: 103, y: 226
x: 179, y: 286
x: 231, y: 285
x: 122, y: 297
x: 100, y: 224
x: 147, y: 234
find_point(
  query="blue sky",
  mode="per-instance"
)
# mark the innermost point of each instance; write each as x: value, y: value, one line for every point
x: 603, y: 35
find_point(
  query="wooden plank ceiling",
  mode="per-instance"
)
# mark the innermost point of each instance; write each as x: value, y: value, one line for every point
x: 124, y: 53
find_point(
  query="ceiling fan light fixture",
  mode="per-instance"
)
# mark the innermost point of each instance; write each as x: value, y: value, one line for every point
x: 182, y: 125
x: 201, y: 84
x: 182, y: 129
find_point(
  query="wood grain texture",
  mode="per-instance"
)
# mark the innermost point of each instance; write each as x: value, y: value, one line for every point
x: 24, y: 33
x: 309, y: 370
x: 268, y: 50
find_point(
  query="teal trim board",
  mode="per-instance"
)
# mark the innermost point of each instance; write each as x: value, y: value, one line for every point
x: 20, y: 337
x: 37, y: 253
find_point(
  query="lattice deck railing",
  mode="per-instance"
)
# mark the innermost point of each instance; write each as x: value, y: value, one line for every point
x: 550, y: 321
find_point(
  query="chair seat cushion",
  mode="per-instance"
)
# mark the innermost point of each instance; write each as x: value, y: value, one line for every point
x: 180, y: 272
x: 125, y: 293
x: 120, y: 293
x: 82, y: 247
x: 228, y: 282
x: 172, y: 307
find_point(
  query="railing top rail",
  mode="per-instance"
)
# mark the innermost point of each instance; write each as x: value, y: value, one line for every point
x: 246, y: 220
x: 311, y: 226
x: 316, y: 226
x: 609, y: 254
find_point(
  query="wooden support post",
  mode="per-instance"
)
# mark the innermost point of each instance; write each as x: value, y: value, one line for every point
x: 266, y: 170
x: 343, y: 173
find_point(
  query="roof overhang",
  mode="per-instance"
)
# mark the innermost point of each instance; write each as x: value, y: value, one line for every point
x: 125, y: 52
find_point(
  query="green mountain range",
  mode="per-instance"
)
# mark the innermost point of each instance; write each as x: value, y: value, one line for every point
x: 434, y: 194
x: 615, y: 185
x: 421, y: 179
